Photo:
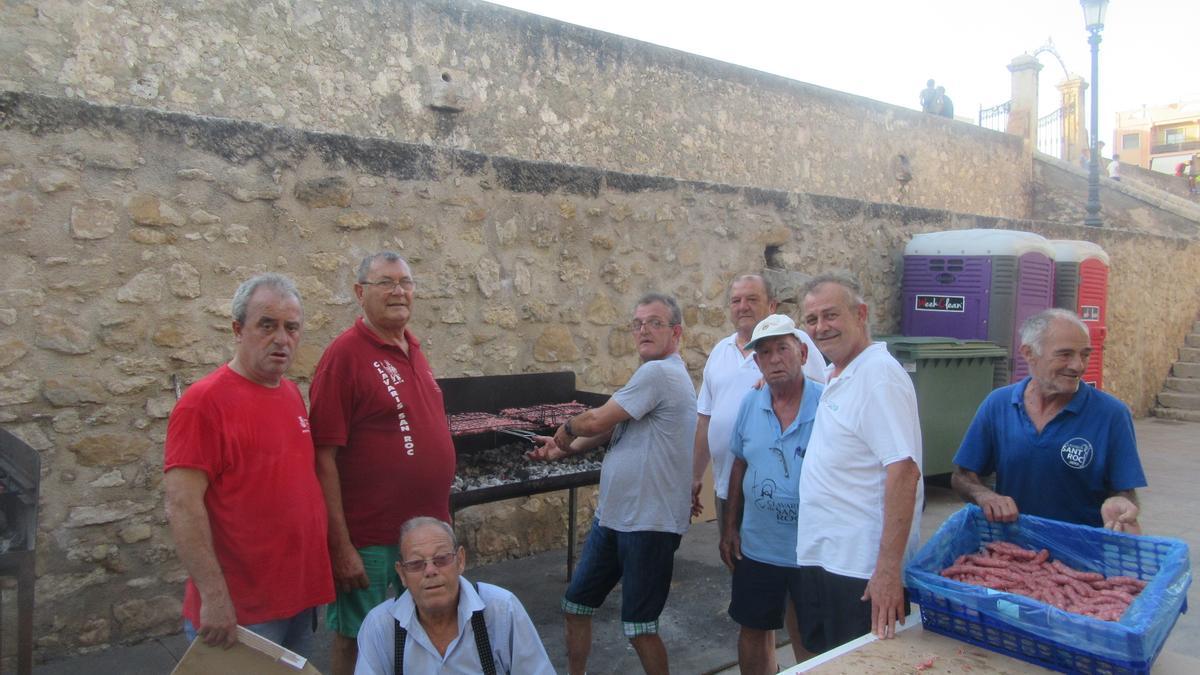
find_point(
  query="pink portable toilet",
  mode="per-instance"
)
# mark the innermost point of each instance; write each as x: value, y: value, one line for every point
x: 1081, y: 285
x: 977, y: 285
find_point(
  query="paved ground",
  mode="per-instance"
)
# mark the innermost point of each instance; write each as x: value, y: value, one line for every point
x: 699, y: 636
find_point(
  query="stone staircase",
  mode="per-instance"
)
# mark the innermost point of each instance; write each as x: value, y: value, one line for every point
x: 1180, y: 397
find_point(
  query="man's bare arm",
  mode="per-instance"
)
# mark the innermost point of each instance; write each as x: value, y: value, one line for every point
x: 996, y: 507
x: 596, y: 422
x: 192, y: 532
x: 730, y: 544
x: 700, y: 457
x: 348, y: 570
x: 885, y: 589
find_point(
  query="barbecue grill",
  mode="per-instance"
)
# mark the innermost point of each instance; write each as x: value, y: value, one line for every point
x: 20, y: 473
x: 479, y: 452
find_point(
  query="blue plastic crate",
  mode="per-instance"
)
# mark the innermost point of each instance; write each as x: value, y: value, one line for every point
x: 1033, y: 631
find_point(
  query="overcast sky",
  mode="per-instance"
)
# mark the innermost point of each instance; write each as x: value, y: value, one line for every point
x: 886, y: 49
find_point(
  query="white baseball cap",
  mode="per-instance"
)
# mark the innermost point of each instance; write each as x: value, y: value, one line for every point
x: 773, y: 326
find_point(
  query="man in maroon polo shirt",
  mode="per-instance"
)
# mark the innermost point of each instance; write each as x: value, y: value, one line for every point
x: 384, y: 453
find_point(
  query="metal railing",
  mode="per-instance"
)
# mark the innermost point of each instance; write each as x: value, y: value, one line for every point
x: 996, y: 117
x: 1050, y: 134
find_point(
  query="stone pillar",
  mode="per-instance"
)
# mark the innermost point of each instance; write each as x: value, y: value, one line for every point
x: 1074, y: 120
x: 1023, y: 116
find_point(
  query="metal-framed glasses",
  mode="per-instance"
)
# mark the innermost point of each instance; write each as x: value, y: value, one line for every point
x: 389, y: 285
x: 653, y: 324
x: 439, y: 560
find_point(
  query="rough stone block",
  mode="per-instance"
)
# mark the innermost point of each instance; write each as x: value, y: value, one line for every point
x: 109, y: 512
x: 67, y: 391
x: 60, y: 335
x: 109, y: 449
x: 151, y: 237
x: 157, y: 616
x: 145, y: 287
x: 56, y: 180
x: 320, y: 193
x: 151, y: 211
x: 555, y: 344
x: 183, y: 280
x: 600, y: 311
x: 93, y: 219
x: 487, y: 276
x: 11, y: 350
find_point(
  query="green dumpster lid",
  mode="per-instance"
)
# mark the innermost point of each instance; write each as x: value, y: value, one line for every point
x: 923, y: 347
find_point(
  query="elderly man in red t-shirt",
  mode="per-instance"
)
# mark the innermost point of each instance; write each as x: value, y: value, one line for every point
x: 242, y: 498
x: 384, y: 453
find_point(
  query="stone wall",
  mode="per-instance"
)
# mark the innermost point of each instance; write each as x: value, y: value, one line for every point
x: 126, y: 231
x: 471, y: 75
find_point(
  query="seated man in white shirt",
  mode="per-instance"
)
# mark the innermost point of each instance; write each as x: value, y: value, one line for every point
x: 440, y: 624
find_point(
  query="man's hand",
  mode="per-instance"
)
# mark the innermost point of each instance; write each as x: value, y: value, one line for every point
x: 697, y: 509
x: 547, y: 451
x: 997, y: 507
x: 730, y: 546
x: 886, y: 593
x: 218, y: 621
x: 348, y: 571
x: 1120, y: 514
x: 561, y: 438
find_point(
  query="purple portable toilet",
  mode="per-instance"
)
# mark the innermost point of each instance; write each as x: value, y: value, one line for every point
x: 977, y: 285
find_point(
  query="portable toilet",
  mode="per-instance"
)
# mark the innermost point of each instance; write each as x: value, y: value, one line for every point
x: 977, y: 285
x: 1081, y: 285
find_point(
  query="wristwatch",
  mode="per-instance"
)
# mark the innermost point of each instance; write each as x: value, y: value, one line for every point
x: 567, y: 428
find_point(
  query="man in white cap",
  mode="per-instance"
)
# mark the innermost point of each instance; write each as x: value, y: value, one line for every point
x: 758, y: 532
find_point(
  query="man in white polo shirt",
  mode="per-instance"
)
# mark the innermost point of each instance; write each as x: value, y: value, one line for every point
x: 728, y: 375
x: 860, y: 491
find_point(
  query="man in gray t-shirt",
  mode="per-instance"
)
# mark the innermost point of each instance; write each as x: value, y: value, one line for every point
x: 645, y: 488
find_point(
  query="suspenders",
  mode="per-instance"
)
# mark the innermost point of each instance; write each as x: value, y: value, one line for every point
x: 482, y: 643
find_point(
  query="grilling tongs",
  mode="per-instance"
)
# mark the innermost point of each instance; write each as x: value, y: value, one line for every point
x: 519, y: 433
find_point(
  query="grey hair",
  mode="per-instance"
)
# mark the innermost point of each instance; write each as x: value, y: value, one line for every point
x: 1033, y: 330
x: 364, y: 267
x: 839, y: 277
x: 767, y: 287
x: 676, y: 314
x: 241, y: 297
x: 423, y: 521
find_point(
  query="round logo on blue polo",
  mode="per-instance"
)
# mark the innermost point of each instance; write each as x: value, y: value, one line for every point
x: 1077, y: 453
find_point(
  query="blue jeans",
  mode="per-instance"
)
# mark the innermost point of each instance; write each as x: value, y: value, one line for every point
x: 294, y: 633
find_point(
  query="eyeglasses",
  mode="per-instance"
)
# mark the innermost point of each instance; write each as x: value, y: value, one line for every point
x: 389, y: 285
x: 653, y: 324
x: 440, y: 560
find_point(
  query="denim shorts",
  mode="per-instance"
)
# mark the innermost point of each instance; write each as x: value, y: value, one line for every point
x: 642, y: 561
x: 294, y: 633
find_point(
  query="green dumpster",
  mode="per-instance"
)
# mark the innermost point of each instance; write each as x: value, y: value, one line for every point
x: 952, y: 377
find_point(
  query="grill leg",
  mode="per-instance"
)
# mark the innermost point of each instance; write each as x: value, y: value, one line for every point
x: 25, y: 615
x: 570, y: 533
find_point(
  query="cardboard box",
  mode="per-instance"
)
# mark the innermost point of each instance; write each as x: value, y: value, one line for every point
x: 252, y: 655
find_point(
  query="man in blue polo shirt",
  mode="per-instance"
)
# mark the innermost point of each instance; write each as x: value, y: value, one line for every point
x: 758, y: 528
x: 1060, y: 448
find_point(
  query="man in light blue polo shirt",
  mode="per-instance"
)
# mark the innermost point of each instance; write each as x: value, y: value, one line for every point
x: 1060, y: 448
x: 758, y: 529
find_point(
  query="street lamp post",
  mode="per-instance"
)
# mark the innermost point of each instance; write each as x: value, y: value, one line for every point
x: 1093, y: 17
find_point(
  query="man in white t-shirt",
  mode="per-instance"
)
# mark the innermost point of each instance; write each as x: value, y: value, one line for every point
x: 728, y: 375
x: 860, y: 492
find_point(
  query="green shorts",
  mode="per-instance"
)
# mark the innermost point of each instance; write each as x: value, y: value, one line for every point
x: 345, y: 614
